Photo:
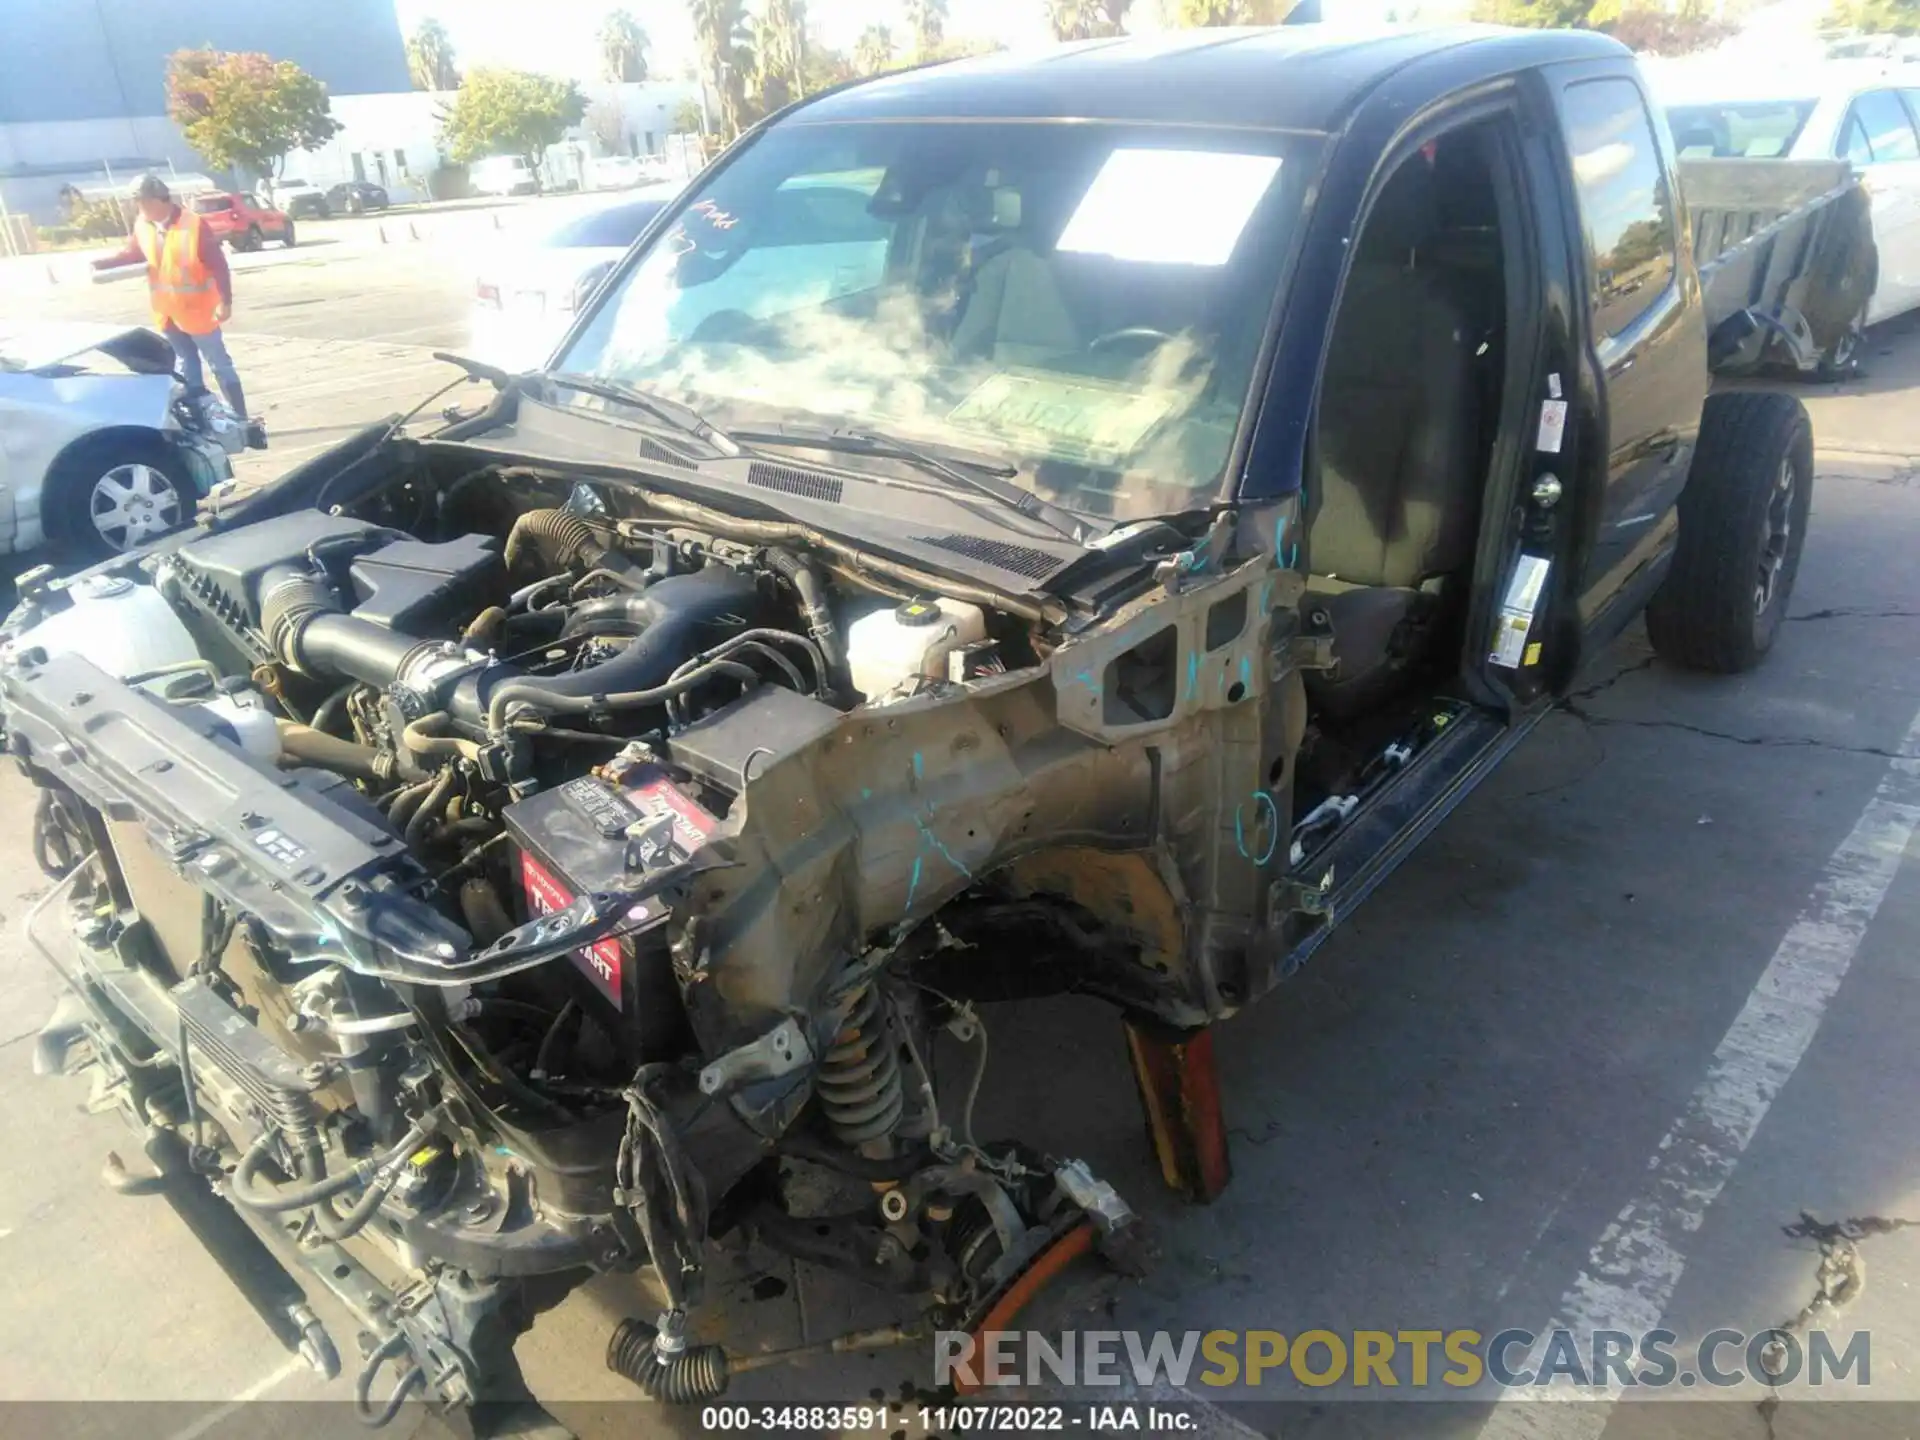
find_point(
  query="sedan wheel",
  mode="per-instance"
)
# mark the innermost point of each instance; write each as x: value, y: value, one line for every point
x: 132, y: 504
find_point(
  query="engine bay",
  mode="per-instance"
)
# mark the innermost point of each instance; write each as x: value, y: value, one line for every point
x: 512, y: 873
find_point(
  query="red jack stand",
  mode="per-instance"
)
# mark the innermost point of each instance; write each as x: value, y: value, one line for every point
x: 1180, y: 1091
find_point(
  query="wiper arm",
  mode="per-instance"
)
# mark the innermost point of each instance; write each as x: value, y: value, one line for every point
x: 983, y: 476
x: 683, y: 418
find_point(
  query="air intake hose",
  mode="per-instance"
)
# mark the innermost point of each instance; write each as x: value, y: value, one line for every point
x: 558, y: 537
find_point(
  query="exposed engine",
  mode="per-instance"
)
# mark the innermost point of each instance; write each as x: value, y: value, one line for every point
x: 411, y: 887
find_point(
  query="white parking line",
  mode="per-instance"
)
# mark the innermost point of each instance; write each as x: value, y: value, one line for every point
x: 220, y: 1414
x: 1633, y: 1270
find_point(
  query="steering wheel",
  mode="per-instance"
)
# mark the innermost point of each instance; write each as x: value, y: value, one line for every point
x: 1130, y: 335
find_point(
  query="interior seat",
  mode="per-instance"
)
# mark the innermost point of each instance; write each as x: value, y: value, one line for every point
x: 1395, y: 509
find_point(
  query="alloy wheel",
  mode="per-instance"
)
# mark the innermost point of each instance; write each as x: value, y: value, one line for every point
x: 132, y: 504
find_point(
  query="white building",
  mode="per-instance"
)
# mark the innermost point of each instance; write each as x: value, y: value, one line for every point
x: 394, y: 140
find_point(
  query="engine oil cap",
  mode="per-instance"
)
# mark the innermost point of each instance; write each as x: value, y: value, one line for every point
x: 917, y: 612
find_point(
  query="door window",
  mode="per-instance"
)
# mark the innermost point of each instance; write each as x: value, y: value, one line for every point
x: 1626, y: 204
x: 1883, y: 120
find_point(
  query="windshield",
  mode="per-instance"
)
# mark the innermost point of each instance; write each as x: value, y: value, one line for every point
x: 1749, y: 129
x: 1083, y: 301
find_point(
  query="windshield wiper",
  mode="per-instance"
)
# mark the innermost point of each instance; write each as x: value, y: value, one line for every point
x: 981, y: 474
x: 683, y: 418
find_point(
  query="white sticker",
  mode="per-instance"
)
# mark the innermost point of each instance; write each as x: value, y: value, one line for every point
x: 1553, y: 384
x: 1509, y: 639
x: 1523, y: 590
x: 1169, y: 207
x: 1553, y: 424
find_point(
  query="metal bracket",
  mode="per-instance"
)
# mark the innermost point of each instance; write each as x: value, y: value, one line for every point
x: 780, y: 1051
x: 1302, y: 897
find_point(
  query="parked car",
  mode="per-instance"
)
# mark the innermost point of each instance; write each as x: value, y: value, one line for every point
x: 1872, y: 122
x: 1245, y: 441
x: 242, y: 222
x: 503, y: 175
x: 101, y: 449
x: 356, y: 197
x: 529, y: 289
x: 297, y: 198
x: 624, y: 172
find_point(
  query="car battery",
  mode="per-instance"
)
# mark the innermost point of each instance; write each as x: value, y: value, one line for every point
x: 593, y: 835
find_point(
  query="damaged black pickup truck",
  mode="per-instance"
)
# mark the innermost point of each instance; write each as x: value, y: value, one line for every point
x: 1072, y: 523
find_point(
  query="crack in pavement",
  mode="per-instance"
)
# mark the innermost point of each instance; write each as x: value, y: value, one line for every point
x: 1855, y: 612
x: 1837, y: 1281
x: 1587, y: 717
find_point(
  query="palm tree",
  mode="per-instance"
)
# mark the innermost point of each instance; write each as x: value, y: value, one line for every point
x: 1198, y: 13
x: 623, y: 48
x: 718, y: 32
x: 873, y: 51
x: 779, y: 54
x: 430, y: 58
x: 928, y: 21
x: 1087, y: 19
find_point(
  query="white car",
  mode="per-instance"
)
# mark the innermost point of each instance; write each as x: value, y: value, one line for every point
x: 530, y: 288
x: 101, y: 448
x: 1873, y: 121
x: 624, y: 172
x: 503, y: 175
x: 296, y: 199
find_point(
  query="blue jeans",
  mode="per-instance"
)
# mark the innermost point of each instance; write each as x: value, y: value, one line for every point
x: 189, y: 349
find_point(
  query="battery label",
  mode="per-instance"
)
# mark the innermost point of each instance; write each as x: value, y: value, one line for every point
x: 603, y: 959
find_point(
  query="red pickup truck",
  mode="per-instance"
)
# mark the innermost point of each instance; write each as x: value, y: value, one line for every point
x: 241, y: 222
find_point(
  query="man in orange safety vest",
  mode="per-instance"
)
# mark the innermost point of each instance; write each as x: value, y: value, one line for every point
x: 191, y: 289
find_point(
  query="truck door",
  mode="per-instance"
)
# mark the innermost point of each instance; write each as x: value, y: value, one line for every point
x: 1647, y: 333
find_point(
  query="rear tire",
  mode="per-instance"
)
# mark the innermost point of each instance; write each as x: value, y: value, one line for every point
x: 111, y: 493
x: 286, y: 236
x: 1743, y: 522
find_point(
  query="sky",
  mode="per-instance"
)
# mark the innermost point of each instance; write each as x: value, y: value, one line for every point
x: 557, y: 36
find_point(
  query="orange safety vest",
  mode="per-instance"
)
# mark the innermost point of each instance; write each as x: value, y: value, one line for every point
x: 182, y: 289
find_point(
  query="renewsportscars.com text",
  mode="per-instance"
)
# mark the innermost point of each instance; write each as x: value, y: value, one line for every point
x: 1377, y: 1359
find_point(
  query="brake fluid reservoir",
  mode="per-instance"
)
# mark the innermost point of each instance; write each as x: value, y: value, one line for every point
x: 911, y: 641
x: 124, y: 628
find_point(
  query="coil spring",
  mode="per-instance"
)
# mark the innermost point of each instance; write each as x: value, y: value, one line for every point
x: 859, y: 1081
x: 697, y: 1373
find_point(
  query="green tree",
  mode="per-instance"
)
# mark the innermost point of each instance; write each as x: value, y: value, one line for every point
x: 686, y: 118
x: 1877, y: 17
x: 430, y: 59
x: 509, y: 112
x: 246, y: 111
x: 779, y: 55
x: 873, y: 51
x: 623, y: 49
x: 1546, y: 14
x: 928, y: 21
x: 719, y: 35
x: 1197, y: 14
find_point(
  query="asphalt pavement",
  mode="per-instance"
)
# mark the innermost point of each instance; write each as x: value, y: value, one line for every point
x: 1644, y: 1001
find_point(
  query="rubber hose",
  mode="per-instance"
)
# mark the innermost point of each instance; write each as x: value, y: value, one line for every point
x: 284, y: 1197
x: 807, y: 584
x: 697, y: 1373
x: 336, y: 1226
x: 424, y: 737
x: 485, y: 915
x: 331, y: 707
x: 430, y: 807
x: 410, y: 1379
x: 304, y: 742
x: 291, y: 598
x: 406, y: 802
x: 485, y: 629
x: 557, y: 537
x: 541, y: 697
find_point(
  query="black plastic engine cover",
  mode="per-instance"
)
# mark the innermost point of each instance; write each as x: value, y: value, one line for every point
x: 420, y: 588
x: 225, y: 570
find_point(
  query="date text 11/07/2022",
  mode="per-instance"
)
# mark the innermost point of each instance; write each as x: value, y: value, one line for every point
x: 950, y: 1419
